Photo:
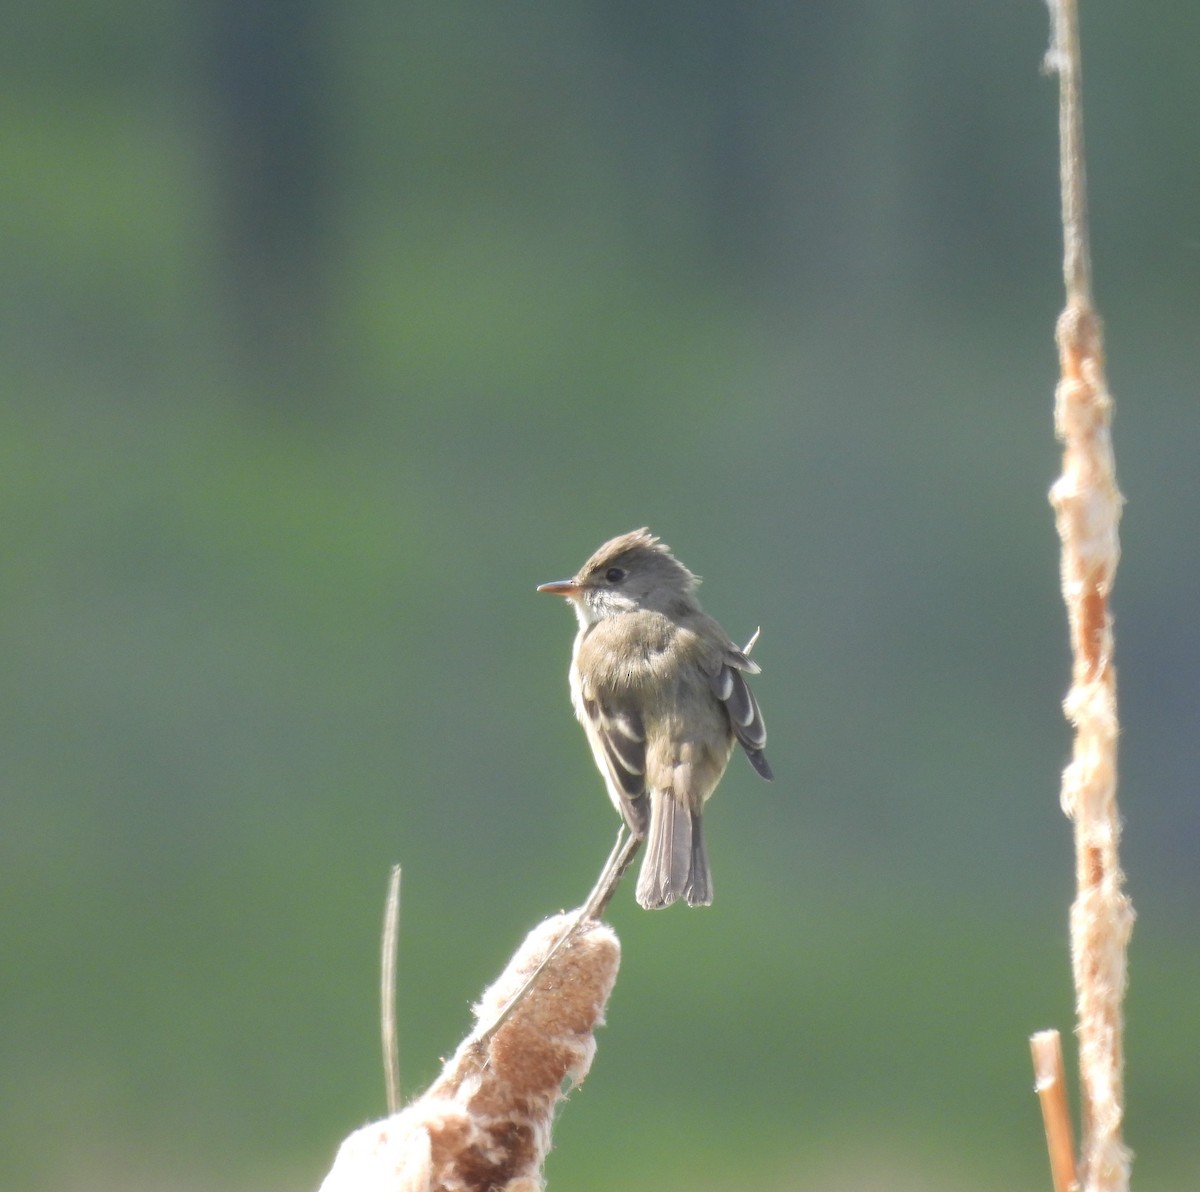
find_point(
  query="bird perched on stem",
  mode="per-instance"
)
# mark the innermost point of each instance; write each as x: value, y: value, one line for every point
x: 661, y: 693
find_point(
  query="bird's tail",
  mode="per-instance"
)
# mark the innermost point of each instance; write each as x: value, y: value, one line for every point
x: 676, y: 864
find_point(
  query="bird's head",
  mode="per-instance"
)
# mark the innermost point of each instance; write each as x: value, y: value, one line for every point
x: 629, y: 573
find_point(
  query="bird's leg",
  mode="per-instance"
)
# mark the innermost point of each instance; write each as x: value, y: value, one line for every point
x: 614, y: 869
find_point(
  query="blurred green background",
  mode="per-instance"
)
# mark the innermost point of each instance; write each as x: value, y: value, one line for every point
x: 328, y: 331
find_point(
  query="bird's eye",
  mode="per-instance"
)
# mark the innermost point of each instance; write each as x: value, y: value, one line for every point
x: 615, y: 575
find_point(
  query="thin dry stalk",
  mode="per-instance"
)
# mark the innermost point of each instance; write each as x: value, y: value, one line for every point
x: 619, y: 860
x: 1087, y: 507
x: 1051, y: 1085
x: 389, y: 950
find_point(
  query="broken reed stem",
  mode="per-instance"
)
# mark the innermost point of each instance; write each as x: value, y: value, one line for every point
x: 1087, y: 506
x: 1051, y: 1085
x: 387, y: 990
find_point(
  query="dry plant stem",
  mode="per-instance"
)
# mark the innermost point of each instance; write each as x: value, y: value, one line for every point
x: 614, y: 869
x: 486, y: 1126
x: 387, y: 990
x: 1050, y: 1082
x: 1063, y: 58
x: 1087, y: 507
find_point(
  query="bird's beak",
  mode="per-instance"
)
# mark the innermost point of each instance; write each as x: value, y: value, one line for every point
x: 561, y: 587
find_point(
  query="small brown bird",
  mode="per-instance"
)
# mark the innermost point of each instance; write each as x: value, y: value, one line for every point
x: 660, y: 691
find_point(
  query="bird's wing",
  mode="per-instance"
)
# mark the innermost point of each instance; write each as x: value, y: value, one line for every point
x: 731, y: 688
x: 619, y: 743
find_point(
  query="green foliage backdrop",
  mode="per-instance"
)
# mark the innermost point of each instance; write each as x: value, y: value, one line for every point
x: 327, y: 332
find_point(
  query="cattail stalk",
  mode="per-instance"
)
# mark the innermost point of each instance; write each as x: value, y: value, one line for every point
x: 1087, y: 507
x: 485, y: 1123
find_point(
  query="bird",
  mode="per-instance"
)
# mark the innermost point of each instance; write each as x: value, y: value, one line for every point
x: 661, y: 692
